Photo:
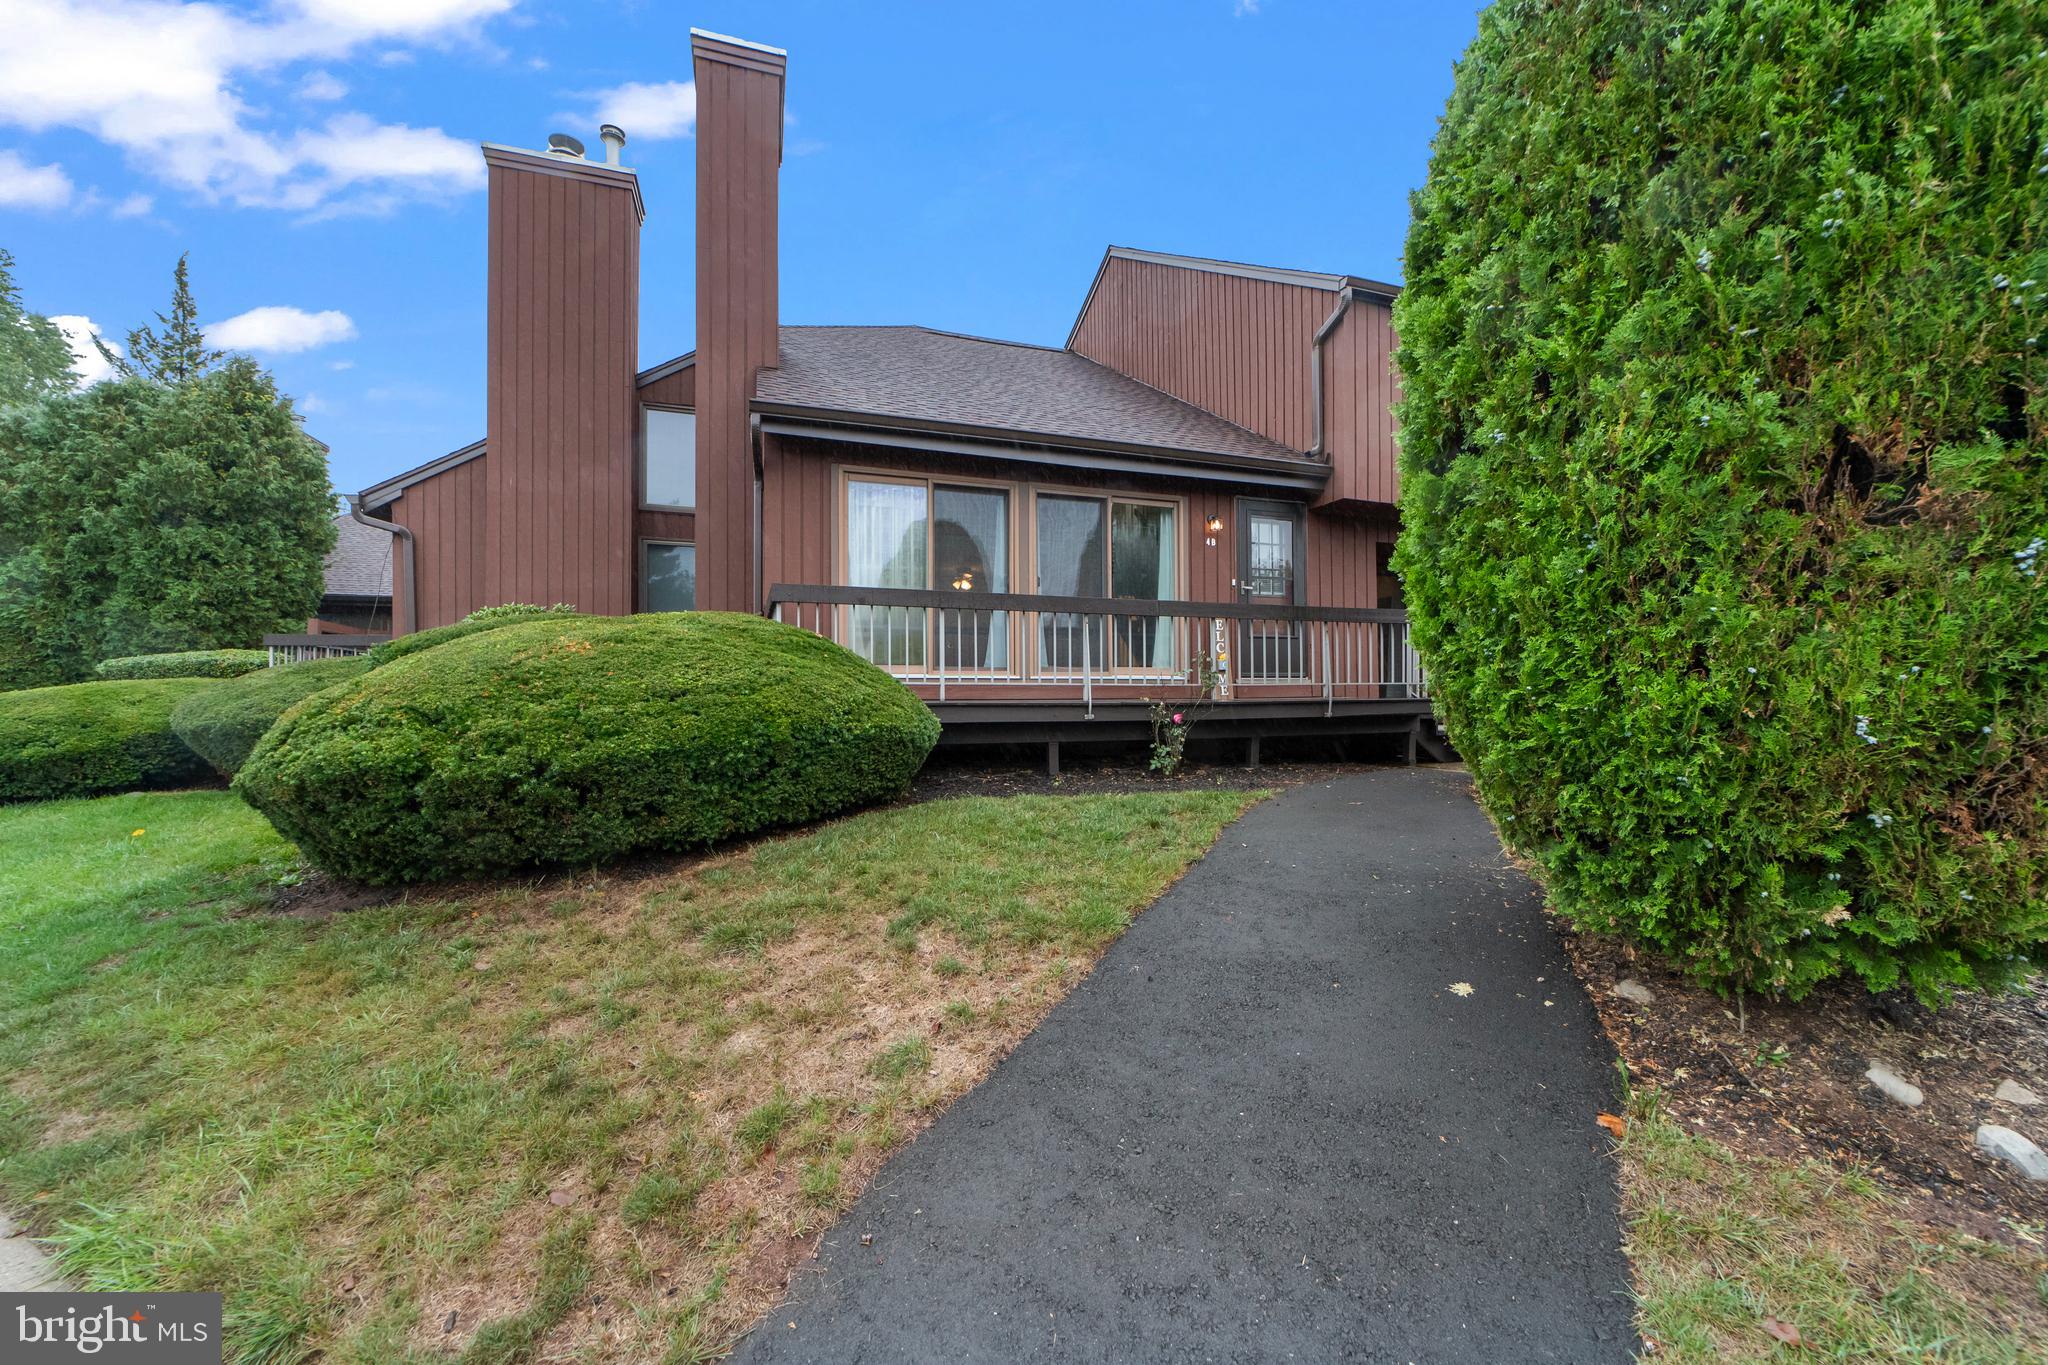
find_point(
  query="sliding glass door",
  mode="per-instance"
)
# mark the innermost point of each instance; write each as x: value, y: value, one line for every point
x: 903, y: 533
x: 1105, y: 547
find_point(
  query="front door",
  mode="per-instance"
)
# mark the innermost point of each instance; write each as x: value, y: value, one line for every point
x: 1270, y: 560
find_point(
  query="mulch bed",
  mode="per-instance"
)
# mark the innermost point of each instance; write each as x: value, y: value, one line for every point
x: 947, y: 776
x: 1786, y: 1080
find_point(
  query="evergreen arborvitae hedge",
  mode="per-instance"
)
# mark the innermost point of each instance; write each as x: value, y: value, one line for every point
x: 575, y: 740
x: 1723, y: 483
x: 91, y: 739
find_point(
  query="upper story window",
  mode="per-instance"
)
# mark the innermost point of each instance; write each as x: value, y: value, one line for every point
x: 668, y: 468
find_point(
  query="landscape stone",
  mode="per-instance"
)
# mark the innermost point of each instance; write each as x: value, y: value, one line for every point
x: 1628, y: 988
x: 2012, y: 1092
x: 1894, y: 1086
x: 2013, y: 1149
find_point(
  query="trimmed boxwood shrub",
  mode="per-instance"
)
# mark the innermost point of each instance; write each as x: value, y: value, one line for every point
x: 1723, y: 482
x: 573, y: 741
x: 477, y: 622
x: 194, y: 663
x: 222, y: 724
x: 86, y: 739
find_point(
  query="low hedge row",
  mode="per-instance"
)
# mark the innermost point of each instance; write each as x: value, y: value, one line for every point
x: 222, y: 724
x: 476, y: 623
x: 88, y: 739
x: 581, y: 739
x: 195, y: 663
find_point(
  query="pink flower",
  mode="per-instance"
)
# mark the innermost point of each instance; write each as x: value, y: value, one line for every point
x: 1176, y: 718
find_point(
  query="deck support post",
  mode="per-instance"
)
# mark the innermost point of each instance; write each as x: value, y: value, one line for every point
x: 1408, y: 744
x: 1052, y: 758
x: 1251, y: 752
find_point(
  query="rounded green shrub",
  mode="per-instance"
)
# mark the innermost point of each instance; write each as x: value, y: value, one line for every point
x: 87, y: 739
x: 477, y: 622
x: 1723, y: 483
x: 576, y: 740
x: 192, y: 663
x: 222, y: 724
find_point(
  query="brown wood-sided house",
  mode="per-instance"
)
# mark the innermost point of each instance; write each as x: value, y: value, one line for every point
x: 1039, y: 540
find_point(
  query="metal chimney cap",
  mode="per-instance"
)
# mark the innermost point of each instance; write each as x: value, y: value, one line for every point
x: 561, y: 144
x: 614, y: 139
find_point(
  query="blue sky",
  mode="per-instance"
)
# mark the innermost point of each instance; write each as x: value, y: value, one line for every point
x: 958, y: 165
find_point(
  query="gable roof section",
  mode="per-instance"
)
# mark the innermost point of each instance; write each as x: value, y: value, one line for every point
x: 379, y: 494
x: 359, y: 565
x: 918, y: 378
x: 1306, y: 279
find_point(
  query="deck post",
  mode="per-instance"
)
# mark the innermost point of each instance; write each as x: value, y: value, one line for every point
x: 1052, y: 757
x: 1087, y: 674
x: 1251, y: 752
x: 1408, y: 743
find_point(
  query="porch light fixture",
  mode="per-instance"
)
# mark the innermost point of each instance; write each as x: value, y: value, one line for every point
x: 1214, y: 526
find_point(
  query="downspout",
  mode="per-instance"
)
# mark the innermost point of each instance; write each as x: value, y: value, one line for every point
x: 412, y: 583
x: 754, y: 432
x: 1344, y: 297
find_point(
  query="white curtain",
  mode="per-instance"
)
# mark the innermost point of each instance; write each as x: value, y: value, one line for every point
x: 885, y: 548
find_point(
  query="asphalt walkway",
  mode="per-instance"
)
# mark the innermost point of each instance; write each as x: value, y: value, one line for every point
x: 1271, y: 1125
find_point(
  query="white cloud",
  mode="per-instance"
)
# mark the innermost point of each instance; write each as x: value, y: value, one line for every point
x: 312, y: 404
x: 86, y: 360
x: 134, y: 206
x: 23, y: 186
x: 341, y: 365
x: 322, y: 86
x: 649, y: 111
x: 1246, y: 7
x: 161, y: 80
x: 278, y: 329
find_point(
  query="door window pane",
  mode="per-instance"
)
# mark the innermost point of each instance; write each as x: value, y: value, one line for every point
x: 885, y: 548
x: 1071, y: 563
x: 1271, y: 570
x: 669, y: 447
x: 1141, y: 565
x: 670, y: 577
x: 971, y: 554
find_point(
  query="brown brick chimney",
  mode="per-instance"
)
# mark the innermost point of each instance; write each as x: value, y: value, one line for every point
x: 560, y: 407
x: 739, y: 154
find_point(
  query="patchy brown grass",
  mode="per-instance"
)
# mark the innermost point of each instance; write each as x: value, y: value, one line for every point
x: 593, y: 1116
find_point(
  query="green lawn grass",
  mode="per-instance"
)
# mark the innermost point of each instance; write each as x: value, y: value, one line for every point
x: 591, y: 1116
x: 1723, y: 1244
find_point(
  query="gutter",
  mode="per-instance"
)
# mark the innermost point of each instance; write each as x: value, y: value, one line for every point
x: 1344, y: 298
x: 754, y: 435
x: 412, y: 583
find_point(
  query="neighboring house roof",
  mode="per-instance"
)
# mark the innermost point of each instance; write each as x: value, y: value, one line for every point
x: 359, y: 565
x: 919, y: 377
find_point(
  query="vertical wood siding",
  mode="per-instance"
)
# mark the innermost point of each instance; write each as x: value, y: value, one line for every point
x: 1241, y: 349
x: 561, y: 409
x: 739, y: 151
x: 448, y: 519
x: 678, y: 390
x: 1360, y: 388
x: 1235, y: 346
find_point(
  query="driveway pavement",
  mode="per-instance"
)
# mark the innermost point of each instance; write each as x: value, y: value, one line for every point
x: 1268, y: 1127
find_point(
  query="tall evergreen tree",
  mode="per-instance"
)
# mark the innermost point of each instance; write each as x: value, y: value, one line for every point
x: 178, y: 354
x: 35, y: 359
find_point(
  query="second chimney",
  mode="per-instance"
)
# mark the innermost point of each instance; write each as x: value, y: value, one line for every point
x: 739, y: 154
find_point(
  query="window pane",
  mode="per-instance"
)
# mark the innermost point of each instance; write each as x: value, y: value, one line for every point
x: 971, y: 553
x: 670, y: 444
x: 1271, y: 571
x: 1071, y: 563
x: 885, y: 548
x: 671, y: 578
x: 1141, y: 561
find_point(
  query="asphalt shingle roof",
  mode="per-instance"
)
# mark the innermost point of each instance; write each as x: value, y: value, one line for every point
x: 359, y: 565
x: 922, y: 376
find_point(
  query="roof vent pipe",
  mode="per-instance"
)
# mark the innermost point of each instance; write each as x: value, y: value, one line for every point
x: 561, y: 144
x: 614, y: 139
